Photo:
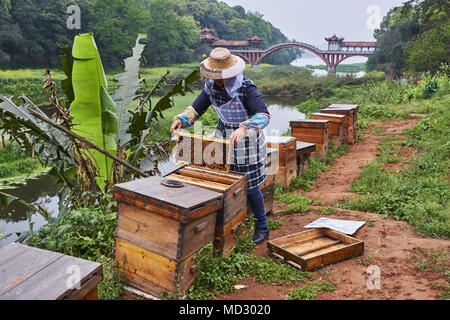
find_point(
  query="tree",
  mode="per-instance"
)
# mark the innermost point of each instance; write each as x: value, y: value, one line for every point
x: 172, y: 38
x: 10, y: 34
x: 429, y: 50
x: 115, y: 25
x: 413, y: 38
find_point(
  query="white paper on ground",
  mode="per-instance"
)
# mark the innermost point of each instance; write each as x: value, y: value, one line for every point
x: 343, y: 226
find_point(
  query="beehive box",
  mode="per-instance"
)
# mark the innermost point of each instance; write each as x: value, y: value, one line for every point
x: 159, y: 230
x: 287, y: 163
x: 268, y: 189
x: 355, y: 107
x: 351, y: 117
x: 273, y: 157
x: 304, y: 151
x: 312, y: 131
x: 29, y: 273
x: 313, y: 249
x: 233, y: 187
x: 336, y: 129
x: 225, y: 236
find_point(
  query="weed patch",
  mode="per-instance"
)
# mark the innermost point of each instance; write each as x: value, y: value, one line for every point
x: 217, y: 275
x: 310, y: 291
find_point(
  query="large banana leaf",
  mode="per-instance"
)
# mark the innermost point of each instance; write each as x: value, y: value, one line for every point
x: 93, y: 109
x: 129, y: 84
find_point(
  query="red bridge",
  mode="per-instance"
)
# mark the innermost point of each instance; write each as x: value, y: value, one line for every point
x: 249, y: 49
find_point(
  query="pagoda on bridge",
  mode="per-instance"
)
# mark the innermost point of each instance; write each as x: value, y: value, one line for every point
x: 334, y: 43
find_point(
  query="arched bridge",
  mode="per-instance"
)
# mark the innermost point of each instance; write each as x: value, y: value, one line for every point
x: 331, y: 58
x: 338, y: 49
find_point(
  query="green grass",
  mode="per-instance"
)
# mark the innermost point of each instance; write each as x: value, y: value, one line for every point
x: 310, y: 291
x: 87, y: 233
x: 274, y: 224
x: 348, y: 68
x: 419, y: 193
x: 15, y: 162
x: 296, y: 202
x: 219, y: 275
x: 435, y: 261
x: 327, y: 211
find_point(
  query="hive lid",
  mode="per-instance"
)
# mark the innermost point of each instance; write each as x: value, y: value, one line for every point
x: 340, y: 107
x: 279, y: 139
x: 310, y: 124
x: 303, y: 146
x: 152, y: 190
x: 343, y: 105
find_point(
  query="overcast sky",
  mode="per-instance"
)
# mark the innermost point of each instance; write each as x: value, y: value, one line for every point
x: 312, y: 20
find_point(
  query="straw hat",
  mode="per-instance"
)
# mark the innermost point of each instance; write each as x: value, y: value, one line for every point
x: 221, y: 64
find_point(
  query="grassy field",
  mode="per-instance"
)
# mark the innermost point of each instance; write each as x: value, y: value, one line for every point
x: 348, y: 68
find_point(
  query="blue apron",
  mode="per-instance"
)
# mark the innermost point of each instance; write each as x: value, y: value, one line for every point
x: 250, y: 155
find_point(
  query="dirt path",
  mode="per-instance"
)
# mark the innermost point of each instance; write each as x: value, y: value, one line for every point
x: 335, y: 183
x: 391, y: 245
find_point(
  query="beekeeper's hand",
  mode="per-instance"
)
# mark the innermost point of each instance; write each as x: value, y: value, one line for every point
x: 176, y: 125
x: 239, y: 134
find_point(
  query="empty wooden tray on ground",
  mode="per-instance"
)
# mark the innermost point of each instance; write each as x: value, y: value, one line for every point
x: 28, y: 273
x: 160, y: 229
x: 203, y: 152
x: 287, y: 164
x: 304, y: 151
x: 233, y: 186
x: 312, y: 249
x: 312, y: 131
x: 336, y: 130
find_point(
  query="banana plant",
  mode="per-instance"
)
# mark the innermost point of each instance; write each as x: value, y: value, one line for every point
x: 100, y: 133
x: 93, y: 110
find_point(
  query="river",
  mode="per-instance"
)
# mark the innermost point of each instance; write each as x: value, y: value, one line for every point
x: 316, y: 61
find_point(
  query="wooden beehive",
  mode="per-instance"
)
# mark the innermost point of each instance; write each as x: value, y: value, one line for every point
x: 304, y: 151
x: 312, y: 131
x: 313, y: 249
x: 225, y: 236
x: 273, y: 161
x: 268, y: 186
x: 351, y: 117
x: 29, y: 273
x: 160, y: 229
x: 336, y: 129
x: 203, y: 152
x: 233, y: 187
x: 287, y: 164
x: 354, y: 107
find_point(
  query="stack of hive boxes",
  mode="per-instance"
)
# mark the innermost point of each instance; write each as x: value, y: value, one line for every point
x: 160, y: 229
x: 350, y: 111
